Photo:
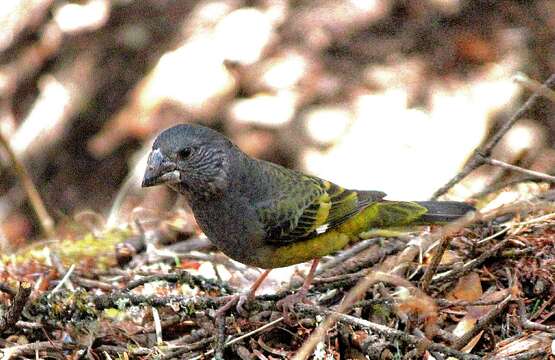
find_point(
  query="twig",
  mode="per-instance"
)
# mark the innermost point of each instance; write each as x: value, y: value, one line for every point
x: 46, y: 222
x: 446, y: 303
x: 14, y: 351
x: 339, y: 281
x: 183, y: 349
x: 14, y: 312
x: 365, y: 258
x: 92, y: 284
x: 220, y: 337
x: 375, y: 346
x: 386, y: 331
x: 493, y: 236
x: 117, y: 299
x: 484, y: 151
x: 528, y: 324
x: 504, y: 165
x: 472, y: 264
x: 157, y: 326
x: 7, y: 289
x: 135, y: 351
x: 434, y: 263
x: 60, y: 267
x: 239, y: 338
x: 28, y: 325
x: 181, y: 277
x: 347, y: 254
x: 528, y: 355
x: 64, y: 279
x: 535, y: 86
x: 481, y: 324
x: 536, y: 220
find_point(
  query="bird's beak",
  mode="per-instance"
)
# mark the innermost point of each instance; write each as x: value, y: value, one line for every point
x: 160, y: 170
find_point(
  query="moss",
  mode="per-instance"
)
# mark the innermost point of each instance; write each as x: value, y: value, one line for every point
x: 95, y: 251
x: 68, y: 307
x: 382, y: 311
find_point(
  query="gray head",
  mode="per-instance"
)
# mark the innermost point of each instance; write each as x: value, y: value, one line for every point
x: 190, y: 159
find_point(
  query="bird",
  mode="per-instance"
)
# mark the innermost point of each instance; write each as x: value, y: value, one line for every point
x: 267, y: 216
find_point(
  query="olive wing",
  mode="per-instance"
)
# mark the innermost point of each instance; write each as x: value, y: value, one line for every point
x: 305, y: 206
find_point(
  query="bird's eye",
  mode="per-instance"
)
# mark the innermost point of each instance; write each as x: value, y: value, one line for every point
x: 185, y: 152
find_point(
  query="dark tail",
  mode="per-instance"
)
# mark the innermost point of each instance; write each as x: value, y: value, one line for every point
x: 443, y: 211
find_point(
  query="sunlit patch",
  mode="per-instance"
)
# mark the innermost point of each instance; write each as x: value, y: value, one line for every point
x: 447, y: 6
x: 409, y: 152
x: 50, y: 106
x: 285, y: 72
x: 365, y: 5
x: 266, y: 110
x: 326, y: 124
x: 522, y: 136
x: 192, y: 75
x: 243, y: 35
x: 92, y: 15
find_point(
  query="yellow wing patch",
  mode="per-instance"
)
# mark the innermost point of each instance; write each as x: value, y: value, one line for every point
x: 322, y: 214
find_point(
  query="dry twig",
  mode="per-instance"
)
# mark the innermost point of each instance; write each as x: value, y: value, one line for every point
x: 14, y: 312
x: 181, y: 277
x: 472, y: 264
x: 528, y: 324
x: 481, y: 324
x: 434, y: 263
x: 45, y: 221
x: 531, y: 173
x: 484, y: 151
x: 535, y: 86
x: 31, y: 348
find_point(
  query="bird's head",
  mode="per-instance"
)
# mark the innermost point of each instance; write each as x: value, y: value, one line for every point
x: 191, y: 159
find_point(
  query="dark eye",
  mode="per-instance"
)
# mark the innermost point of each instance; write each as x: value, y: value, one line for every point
x: 185, y: 152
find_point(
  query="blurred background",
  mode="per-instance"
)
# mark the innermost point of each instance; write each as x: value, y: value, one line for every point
x: 372, y: 94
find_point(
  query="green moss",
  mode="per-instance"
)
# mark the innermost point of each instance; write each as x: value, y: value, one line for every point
x: 382, y: 311
x: 90, y: 250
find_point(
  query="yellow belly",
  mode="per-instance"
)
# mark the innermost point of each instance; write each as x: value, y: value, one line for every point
x: 272, y: 256
x: 380, y: 215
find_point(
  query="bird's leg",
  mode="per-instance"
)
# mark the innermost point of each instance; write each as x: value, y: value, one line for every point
x: 241, y: 299
x: 287, y: 304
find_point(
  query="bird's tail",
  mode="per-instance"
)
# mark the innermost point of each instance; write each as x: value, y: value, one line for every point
x: 398, y: 214
x: 443, y: 211
x: 386, y: 213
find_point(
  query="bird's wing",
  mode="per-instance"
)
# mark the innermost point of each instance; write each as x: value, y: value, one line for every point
x: 304, y: 206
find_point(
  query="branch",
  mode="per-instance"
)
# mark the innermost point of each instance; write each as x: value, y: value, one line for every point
x: 534, y: 86
x: 14, y: 312
x: 484, y: 151
x: 181, y: 277
x: 434, y: 263
x: 481, y: 324
x: 46, y: 222
x: 469, y: 266
x: 532, y: 173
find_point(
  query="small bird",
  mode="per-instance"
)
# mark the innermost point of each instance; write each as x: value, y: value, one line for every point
x: 264, y: 215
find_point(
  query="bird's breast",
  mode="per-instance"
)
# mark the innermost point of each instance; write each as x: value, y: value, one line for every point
x: 232, y: 226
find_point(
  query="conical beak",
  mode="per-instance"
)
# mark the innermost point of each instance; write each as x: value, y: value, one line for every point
x: 159, y: 170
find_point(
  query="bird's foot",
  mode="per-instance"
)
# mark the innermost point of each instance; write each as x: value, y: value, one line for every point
x: 239, y: 300
x: 287, y: 304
